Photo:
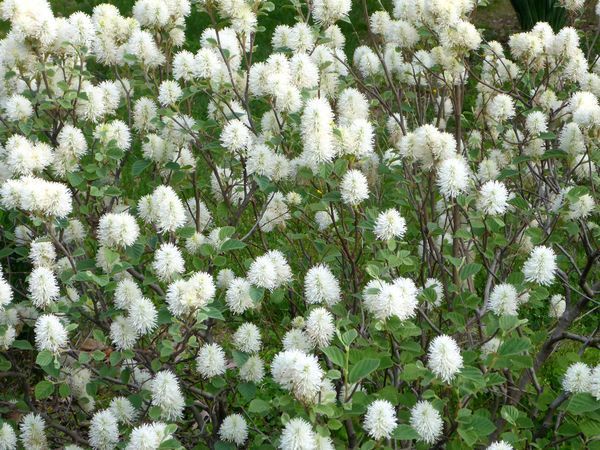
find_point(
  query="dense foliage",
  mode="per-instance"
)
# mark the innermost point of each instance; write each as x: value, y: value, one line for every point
x: 394, y: 248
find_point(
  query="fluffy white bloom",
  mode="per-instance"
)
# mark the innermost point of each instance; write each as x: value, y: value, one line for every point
x: 122, y: 333
x: 572, y: 5
x: 6, y: 292
x: 444, y: 358
x: 126, y: 292
x: 234, y: 429
x: 557, y: 305
x: 253, y: 369
x: 390, y: 224
x: 354, y: 187
x: 426, y: 421
x: 166, y: 394
x: 504, y: 300
x: 317, y: 132
x: 50, y: 334
x: 37, y: 195
x: 501, y: 108
x: 298, y: 435
x: 33, y: 432
x: 321, y: 286
x: 453, y: 177
x: 123, y: 410
x: 385, y: 300
x: 8, y: 438
x: 190, y: 295
x: 247, y: 338
x: 211, y: 360
x: 595, y: 382
x: 168, y: 262
x: 169, y: 93
x: 42, y: 287
x: 330, y: 11
x: 142, y: 315
x: 18, y: 108
x: 147, y: 437
x: 490, y: 347
x: 144, y: 111
x: 493, y: 198
x: 380, y: 419
x: 270, y: 270
x: 104, y: 430
x: 298, y: 372
x: 320, y: 327
x: 536, y: 123
x: 238, y: 296
x: 164, y: 209
x: 224, y: 278
x: 541, y: 266
x: 235, y: 136
x: 118, y: 230
x: 577, y: 379
x: 500, y: 445
x: 582, y: 207
x: 297, y: 339
x: 42, y: 253
x: 571, y: 139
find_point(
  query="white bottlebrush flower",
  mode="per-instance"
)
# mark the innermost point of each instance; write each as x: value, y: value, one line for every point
x: 298, y: 435
x: 541, y: 266
x: 18, y: 108
x: 247, y: 338
x: 504, y: 300
x: 126, y: 292
x: 166, y: 394
x: 169, y: 93
x: 297, y: 339
x: 354, y: 187
x: 577, y: 379
x: 317, y: 132
x: 320, y: 327
x: 211, y: 360
x: 168, y: 262
x: 296, y: 371
x: 321, y: 286
x: 385, y: 300
x: 444, y: 358
x: 8, y: 438
x: 536, y: 122
x: 42, y: 253
x: 123, y: 410
x: 6, y: 292
x: 122, y: 333
x: 453, y: 176
x: 490, y: 347
x: 557, y: 306
x: 426, y: 421
x: 118, y: 230
x: 142, y: 315
x: 224, y: 278
x: 187, y: 296
x: 330, y: 11
x: 493, y: 198
x: 234, y: 429
x: 253, y: 370
x: 380, y: 419
x: 500, y: 445
x: 104, y: 430
x: 270, y: 270
x: 235, y: 136
x: 147, y: 437
x: 390, y: 224
x: 595, y: 382
x: 582, y: 207
x: 33, y: 432
x: 42, y: 287
x: 238, y: 296
x: 50, y: 334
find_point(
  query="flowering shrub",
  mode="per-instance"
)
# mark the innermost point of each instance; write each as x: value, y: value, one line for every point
x: 393, y: 248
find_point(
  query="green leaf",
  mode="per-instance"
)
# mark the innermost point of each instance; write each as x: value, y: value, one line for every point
x: 139, y: 166
x: 258, y: 406
x: 22, y: 345
x: 405, y: 432
x: 514, y: 346
x: 348, y: 337
x: 44, y: 358
x: 335, y: 355
x: 469, y: 270
x: 43, y: 389
x: 362, y: 369
x: 510, y: 414
x: 232, y: 244
x: 582, y: 403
